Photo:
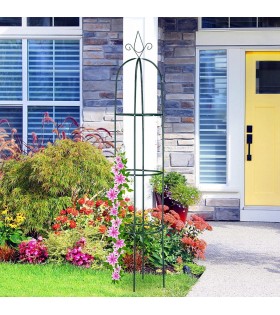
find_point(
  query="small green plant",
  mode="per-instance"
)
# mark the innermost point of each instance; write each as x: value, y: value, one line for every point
x: 196, y: 270
x: 176, y: 188
x: 185, y: 195
x: 10, y: 232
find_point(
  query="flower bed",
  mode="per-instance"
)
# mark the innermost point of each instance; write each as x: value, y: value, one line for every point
x: 93, y: 229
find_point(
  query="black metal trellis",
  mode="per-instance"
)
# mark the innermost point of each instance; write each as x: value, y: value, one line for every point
x: 142, y: 172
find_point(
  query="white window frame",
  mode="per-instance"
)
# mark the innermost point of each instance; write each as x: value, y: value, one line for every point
x: 25, y: 33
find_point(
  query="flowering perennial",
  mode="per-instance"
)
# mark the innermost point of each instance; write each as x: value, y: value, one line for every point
x: 115, y: 200
x: 33, y: 251
x: 76, y: 255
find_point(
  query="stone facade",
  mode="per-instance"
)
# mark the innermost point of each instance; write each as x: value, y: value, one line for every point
x: 218, y: 209
x: 177, y: 62
x: 102, y: 56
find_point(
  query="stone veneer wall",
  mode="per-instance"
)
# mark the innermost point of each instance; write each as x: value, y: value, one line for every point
x: 102, y: 56
x: 177, y: 61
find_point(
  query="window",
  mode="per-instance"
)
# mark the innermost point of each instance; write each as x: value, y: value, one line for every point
x: 10, y: 21
x: 40, y: 21
x: 239, y: 22
x: 213, y: 116
x: 39, y: 76
x: 53, y: 21
x: 53, y: 70
x: 268, y: 77
x: 10, y: 70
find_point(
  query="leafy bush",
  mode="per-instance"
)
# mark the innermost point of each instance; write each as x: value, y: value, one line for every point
x: 40, y: 185
x: 8, y: 254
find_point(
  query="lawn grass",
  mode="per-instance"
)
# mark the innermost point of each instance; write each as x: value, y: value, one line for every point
x: 19, y: 280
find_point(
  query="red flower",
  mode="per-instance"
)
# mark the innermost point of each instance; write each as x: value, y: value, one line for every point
x: 82, y: 210
x: 98, y: 203
x: 91, y: 222
x: 81, y: 201
x: 69, y: 210
x: 102, y: 229
x: 126, y: 199
x: 107, y: 218
x: 62, y: 219
x: 72, y: 224
x: 88, y: 211
x: 90, y: 203
x: 130, y: 208
x: 62, y: 212
x: 56, y: 226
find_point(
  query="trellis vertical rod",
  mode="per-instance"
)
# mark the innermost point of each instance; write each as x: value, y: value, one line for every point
x: 143, y: 168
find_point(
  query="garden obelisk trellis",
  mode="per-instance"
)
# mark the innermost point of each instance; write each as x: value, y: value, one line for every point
x: 140, y: 115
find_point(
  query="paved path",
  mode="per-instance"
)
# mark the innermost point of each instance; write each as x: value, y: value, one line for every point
x: 242, y: 260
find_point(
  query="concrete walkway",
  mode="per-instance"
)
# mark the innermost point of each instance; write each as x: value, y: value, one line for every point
x: 242, y: 260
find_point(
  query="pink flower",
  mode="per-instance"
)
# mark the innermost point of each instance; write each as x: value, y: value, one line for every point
x: 120, y: 179
x: 120, y: 166
x: 113, y: 232
x: 115, y: 170
x: 119, y: 244
x: 116, y: 223
x: 116, y: 275
x: 118, y: 159
x: 114, y: 211
x: 117, y: 268
x: 112, y: 259
x: 112, y: 194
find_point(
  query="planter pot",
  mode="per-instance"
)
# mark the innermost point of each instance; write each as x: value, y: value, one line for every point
x: 178, y: 208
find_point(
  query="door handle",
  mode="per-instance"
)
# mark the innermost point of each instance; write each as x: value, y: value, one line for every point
x: 249, y: 140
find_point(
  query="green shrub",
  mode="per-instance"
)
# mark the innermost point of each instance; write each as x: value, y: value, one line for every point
x: 40, y: 186
x: 96, y: 245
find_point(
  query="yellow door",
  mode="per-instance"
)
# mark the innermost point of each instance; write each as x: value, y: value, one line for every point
x: 262, y: 159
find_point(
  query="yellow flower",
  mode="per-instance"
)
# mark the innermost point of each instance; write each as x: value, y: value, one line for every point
x: 13, y: 226
x: 4, y: 212
x: 9, y: 218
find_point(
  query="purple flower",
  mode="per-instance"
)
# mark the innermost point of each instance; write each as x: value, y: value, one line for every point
x: 112, y: 259
x: 112, y: 194
x: 113, y: 232
x: 119, y: 244
x: 120, y: 179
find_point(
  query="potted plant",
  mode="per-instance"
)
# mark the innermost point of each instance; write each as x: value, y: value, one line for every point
x: 178, y: 194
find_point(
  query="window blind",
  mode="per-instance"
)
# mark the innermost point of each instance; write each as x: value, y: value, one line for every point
x: 53, y: 70
x: 44, y: 129
x: 10, y: 70
x: 213, y: 116
x: 14, y: 117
